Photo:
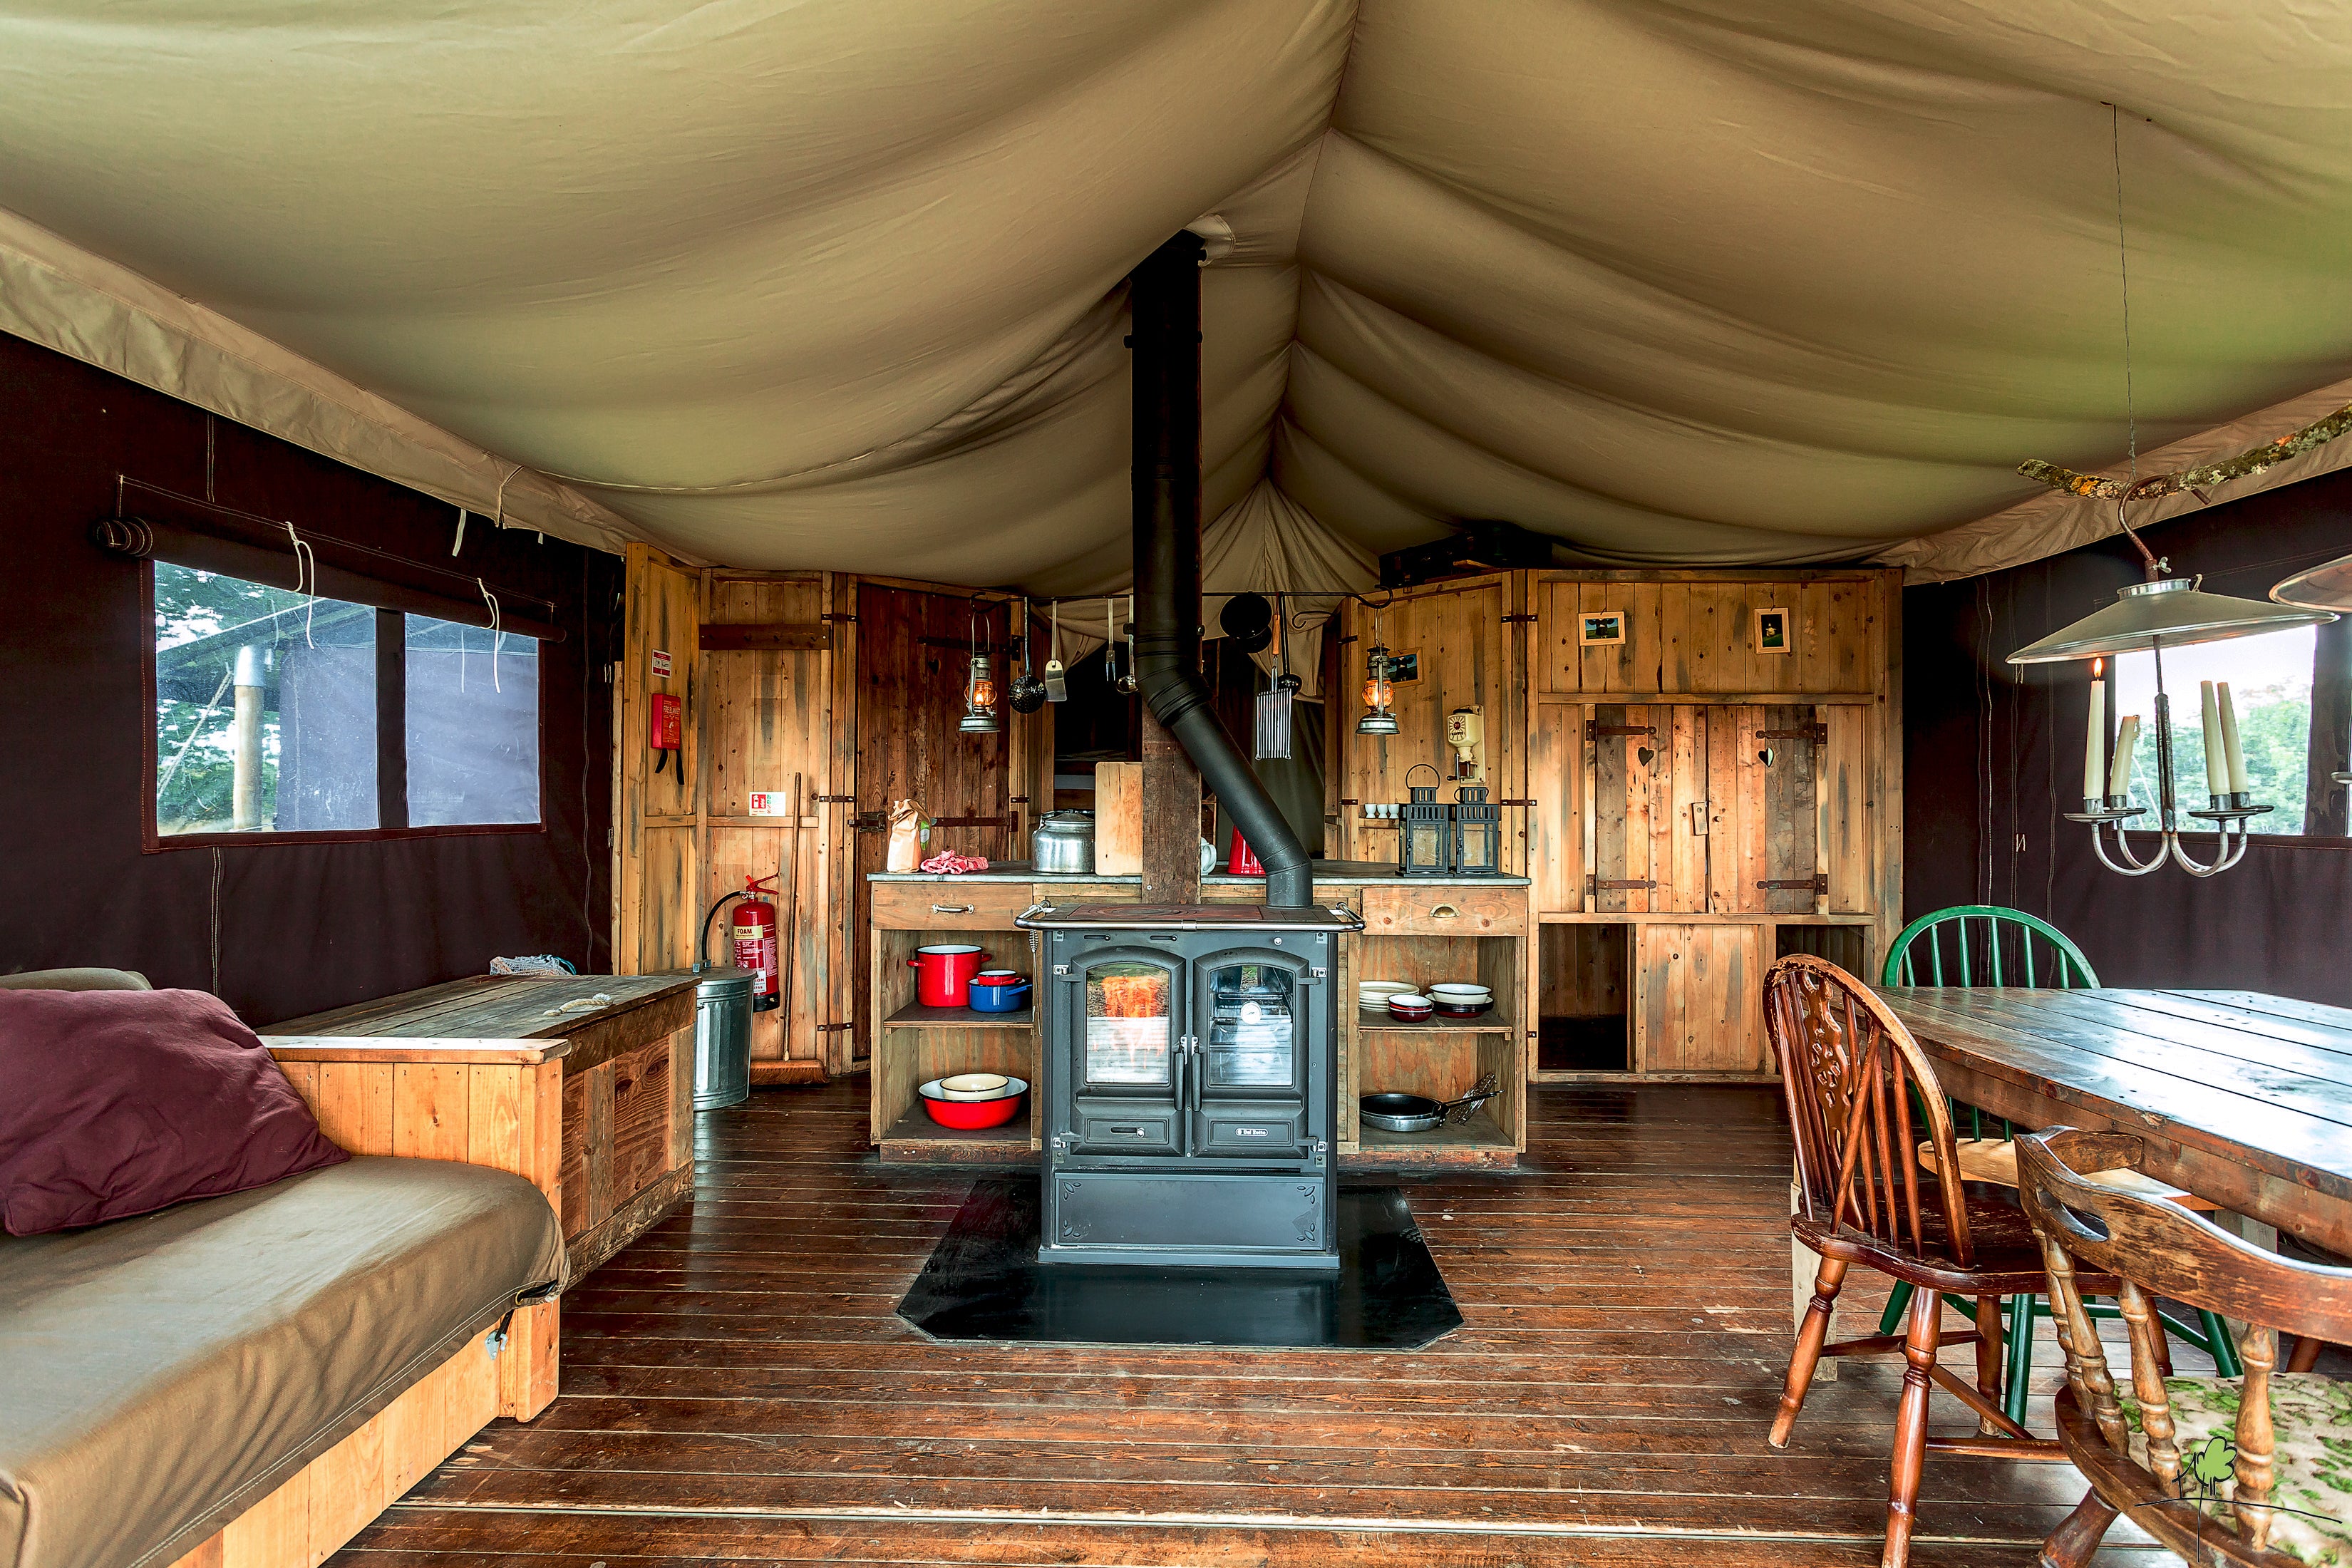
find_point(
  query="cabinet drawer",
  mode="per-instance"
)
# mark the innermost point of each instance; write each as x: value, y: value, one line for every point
x: 1393, y: 911
x: 929, y: 906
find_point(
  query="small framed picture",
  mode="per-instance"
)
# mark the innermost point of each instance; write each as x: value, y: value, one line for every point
x: 1773, y: 633
x: 1598, y: 628
x: 1405, y: 666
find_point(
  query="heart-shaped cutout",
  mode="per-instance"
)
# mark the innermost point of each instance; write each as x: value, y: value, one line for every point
x: 1645, y: 755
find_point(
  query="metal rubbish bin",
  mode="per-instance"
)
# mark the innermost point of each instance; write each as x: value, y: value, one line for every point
x: 722, y: 1038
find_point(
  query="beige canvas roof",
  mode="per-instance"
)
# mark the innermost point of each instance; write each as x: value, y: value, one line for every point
x: 837, y: 284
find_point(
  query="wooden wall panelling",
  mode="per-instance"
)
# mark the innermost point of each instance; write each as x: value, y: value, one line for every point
x: 1693, y: 634
x: 1885, y: 752
x: 770, y: 716
x: 910, y: 697
x: 1556, y: 778
x: 662, y: 614
x: 1699, y: 990
x: 1464, y: 659
x: 1119, y: 818
x: 846, y: 937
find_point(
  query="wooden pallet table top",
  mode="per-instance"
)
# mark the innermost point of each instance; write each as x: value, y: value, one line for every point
x: 497, y: 1018
x: 2242, y: 1097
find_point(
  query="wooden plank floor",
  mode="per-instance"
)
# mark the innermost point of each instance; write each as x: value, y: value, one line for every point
x: 737, y: 1389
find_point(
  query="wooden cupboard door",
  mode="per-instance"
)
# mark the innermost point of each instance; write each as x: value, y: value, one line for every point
x: 1763, y: 827
x: 1698, y: 1002
x: 1649, y: 770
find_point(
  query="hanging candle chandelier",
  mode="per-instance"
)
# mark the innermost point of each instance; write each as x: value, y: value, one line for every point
x: 2162, y: 612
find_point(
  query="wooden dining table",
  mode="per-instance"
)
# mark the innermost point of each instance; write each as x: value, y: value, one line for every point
x: 2242, y: 1098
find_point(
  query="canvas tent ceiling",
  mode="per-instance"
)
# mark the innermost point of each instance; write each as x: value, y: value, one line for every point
x: 837, y: 284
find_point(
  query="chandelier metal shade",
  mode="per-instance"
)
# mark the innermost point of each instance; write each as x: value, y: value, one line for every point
x: 2328, y: 586
x: 2167, y: 612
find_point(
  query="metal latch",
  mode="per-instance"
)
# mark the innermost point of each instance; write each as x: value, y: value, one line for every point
x: 1816, y: 733
x: 1318, y: 1153
x: 1593, y: 884
x: 1818, y: 883
x: 1060, y: 1145
x: 1061, y: 969
x: 1317, y: 973
x: 1698, y: 817
x: 1594, y: 730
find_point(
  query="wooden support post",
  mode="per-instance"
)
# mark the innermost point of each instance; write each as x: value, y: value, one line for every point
x: 1171, y: 819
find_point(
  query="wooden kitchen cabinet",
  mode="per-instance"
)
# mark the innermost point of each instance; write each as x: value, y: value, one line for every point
x: 1697, y: 1000
x: 1689, y: 801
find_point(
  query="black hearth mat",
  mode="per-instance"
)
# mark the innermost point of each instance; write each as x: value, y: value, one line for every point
x: 983, y: 1282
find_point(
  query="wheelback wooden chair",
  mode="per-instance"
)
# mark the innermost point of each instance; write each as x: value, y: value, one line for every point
x: 2220, y: 1470
x: 1862, y: 1095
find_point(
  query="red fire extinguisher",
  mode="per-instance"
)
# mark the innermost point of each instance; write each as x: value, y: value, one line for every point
x: 755, y: 929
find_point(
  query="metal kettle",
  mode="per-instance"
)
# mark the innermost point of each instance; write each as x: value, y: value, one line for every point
x: 1064, y: 841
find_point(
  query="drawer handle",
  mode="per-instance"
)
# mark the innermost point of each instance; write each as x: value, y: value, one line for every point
x: 1444, y: 913
x: 1136, y: 1131
x: 952, y: 908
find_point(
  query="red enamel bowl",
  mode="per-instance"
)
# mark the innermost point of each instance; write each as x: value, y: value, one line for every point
x: 969, y: 1115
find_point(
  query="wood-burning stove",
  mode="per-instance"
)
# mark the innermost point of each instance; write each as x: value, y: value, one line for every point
x: 1188, y: 1084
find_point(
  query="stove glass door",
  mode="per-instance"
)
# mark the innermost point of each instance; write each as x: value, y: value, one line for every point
x: 1255, y: 1025
x: 1128, y: 1080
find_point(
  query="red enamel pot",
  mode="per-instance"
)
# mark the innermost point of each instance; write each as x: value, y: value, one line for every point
x: 943, y: 974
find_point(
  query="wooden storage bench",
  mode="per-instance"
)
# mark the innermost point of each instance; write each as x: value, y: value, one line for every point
x: 462, y: 1071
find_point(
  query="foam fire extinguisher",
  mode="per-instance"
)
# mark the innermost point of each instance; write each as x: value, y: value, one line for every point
x: 754, y: 931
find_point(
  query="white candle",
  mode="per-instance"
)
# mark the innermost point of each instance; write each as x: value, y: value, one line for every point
x: 2095, y: 743
x: 2235, y: 752
x: 2127, y: 746
x: 2216, y: 770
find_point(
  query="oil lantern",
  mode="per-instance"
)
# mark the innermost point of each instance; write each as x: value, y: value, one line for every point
x: 1379, y: 718
x: 1426, y: 832
x: 1477, y: 833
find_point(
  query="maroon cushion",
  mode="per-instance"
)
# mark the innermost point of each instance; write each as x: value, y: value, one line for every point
x: 114, y: 1103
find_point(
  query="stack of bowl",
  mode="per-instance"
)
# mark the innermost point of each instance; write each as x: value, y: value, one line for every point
x: 973, y: 1100
x: 1461, y: 999
x: 1410, y: 1007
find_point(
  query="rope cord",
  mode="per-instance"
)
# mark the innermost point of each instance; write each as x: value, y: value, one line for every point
x: 497, y: 637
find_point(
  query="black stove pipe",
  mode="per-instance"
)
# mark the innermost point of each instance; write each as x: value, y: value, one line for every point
x: 1164, y: 303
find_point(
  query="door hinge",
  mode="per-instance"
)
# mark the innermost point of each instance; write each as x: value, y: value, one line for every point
x: 1594, y: 730
x: 1061, y: 969
x: 1317, y: 973
x: 844, y: 620
x: 1518, y: 620
x: 834, y: 1028
x: 835, y: 799
x: 1816, y: 733
x: 1515, y: 802
x: 1593, y: 884
x: 1818, y: 883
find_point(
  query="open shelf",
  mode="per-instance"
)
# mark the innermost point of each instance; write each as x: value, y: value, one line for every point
x: 1484, y: 1023
x: 915, y: 1015
x: 1480, y: 1136
x: 916, y: 1137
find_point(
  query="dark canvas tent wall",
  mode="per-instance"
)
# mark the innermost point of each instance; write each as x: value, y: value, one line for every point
x: 838, y: 285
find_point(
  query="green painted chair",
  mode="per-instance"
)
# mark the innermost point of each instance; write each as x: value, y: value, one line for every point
x: 1985, y: 944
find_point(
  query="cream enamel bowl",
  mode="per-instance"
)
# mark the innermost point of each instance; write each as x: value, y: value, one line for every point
x: 973, y: 1085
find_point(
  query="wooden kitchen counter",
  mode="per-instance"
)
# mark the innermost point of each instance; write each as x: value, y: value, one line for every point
x: 1417, y: 929
x: 595, y: 1106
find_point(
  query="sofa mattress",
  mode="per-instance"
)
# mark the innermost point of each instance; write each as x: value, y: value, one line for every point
x: 160, y: 1375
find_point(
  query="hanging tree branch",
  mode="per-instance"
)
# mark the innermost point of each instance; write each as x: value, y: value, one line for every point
x: 2254, y: 460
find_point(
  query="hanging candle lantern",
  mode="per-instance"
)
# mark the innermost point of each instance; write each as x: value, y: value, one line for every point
x: 1380, y: 717
x: 1477, y: 846
x: 1425, y: 833
x: 979, y: 690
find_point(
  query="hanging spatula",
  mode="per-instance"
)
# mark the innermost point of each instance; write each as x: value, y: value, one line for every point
x: 1058, y: 685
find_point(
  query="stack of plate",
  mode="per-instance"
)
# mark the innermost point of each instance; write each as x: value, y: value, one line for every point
x: 1373, y: 995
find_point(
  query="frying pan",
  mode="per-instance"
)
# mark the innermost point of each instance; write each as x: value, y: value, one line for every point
x: 1396, y: 1113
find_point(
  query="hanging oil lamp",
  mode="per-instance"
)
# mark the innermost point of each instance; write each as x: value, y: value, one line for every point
x: 1380, y: 716
x: 978, y: 689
